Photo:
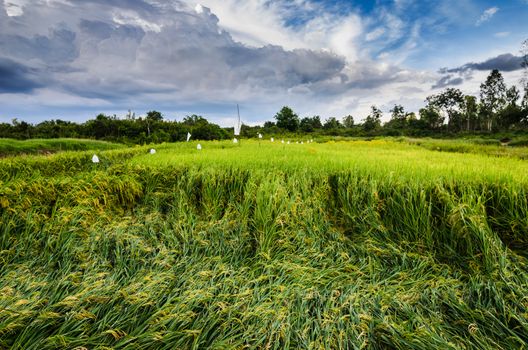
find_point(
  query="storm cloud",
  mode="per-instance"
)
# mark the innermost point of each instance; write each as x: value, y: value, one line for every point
x: 174, y: 55
x: 163, y: 53
x: 457, y: 76
x: 505, y: 63
x: 16, y: 78
x: 447, y: 80
x: 142, y: 47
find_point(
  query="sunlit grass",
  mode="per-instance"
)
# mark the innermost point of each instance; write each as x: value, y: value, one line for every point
x: 43, y: 146
x: 349, y: 245
x: 377, y: 158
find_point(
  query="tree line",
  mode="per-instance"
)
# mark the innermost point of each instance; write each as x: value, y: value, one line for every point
x: 498, y: 108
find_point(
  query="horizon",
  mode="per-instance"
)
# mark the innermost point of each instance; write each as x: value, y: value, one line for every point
x: 61, y: 60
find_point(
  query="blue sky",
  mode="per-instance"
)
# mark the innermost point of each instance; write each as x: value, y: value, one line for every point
x: 72, y: 60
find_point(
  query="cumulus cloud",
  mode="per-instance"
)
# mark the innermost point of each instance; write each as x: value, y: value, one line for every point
x: 171, y: 53
x: 487, y: 15
x: 185, y: 50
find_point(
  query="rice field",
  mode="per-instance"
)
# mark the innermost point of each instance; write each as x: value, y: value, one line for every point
x: 11, y: 147
x: 336, y: 245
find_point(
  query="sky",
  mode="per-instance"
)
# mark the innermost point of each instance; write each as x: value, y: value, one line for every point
x: 74, y: 59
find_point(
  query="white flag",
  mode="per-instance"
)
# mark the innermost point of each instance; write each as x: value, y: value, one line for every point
x: 199, y: 147
x: 238, y: 124
x: 152, y: 151
x: 188, y: 136
x: 95, y: 159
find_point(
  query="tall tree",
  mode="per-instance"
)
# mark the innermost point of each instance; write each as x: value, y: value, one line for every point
x: 309, y: 124
x: 524, y: 103
x: 512, y: 96
x: 512, y: 114
x: 154, y: 116
x: 492, y: 98
x: 348, y: 121
x: 431, y: 117
x: 450, y: 103
x: 332, y: 123
x: 373, y: 120
x: 398, y: 118
x: 470, y: 110
x: 287, y: 119
x: 524, y: 54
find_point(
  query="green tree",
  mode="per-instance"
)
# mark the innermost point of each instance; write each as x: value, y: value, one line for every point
x: 431, y: 117
x: 332, y: 123
x: 287, y: 119
x: 201, y: 129
x: 450, y: 103
x: 492, y: 98
x: 398, y: 118
x: 524, y: 103
x: 373, y: 121
x: 308, y: 124
x: 470, y: 111
x: 513, y: 114
x: 348, y: 121
x: 524, y: 54
x: 154, y: 116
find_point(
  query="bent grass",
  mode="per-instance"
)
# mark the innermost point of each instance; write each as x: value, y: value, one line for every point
x: 338, y: 245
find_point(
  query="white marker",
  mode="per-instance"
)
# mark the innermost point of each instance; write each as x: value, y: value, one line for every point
x: 199, y: 147
x: 152, y: 151
x: 188, y: 136
x: 282, y: 141
x: 272, y: 139
x: 260, y: 135
x: 95, y: 159
x: 235, y: 140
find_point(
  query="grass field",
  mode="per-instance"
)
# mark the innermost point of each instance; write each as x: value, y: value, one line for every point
x: 9, y: 147
x: 376, y: 245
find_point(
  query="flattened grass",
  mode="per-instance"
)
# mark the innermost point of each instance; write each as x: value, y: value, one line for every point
x: 340, y: 245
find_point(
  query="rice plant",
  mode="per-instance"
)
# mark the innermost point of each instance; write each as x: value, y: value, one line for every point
x: 338, y: 245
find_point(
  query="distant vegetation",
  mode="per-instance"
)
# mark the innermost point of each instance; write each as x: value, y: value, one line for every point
x: 498, y: 109
x: 46, y: 146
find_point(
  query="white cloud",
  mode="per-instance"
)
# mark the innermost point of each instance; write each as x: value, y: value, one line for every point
x: 14, y: 8
x: 181, y: 57
x: 487, y: 15
x: 501, y: 34
x: 129, y: 18
x: 375, y: 34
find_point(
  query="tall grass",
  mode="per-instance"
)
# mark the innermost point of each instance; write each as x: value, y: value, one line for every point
x: 47, y: 146
x: 339, y: 245
x: 491, y: 147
